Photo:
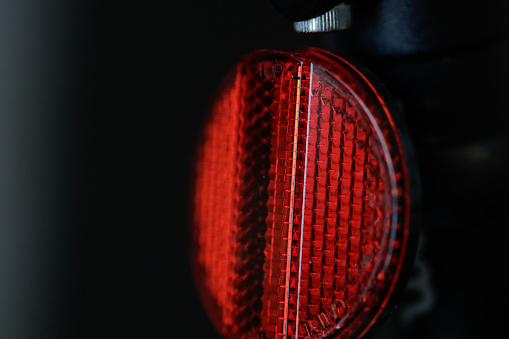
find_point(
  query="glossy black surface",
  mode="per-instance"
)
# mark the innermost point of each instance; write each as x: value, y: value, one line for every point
x: 299, y: 10
x: 399, y: 28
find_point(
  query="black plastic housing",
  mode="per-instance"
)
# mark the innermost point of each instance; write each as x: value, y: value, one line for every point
x: 445, y: 62
x: 299, y: 10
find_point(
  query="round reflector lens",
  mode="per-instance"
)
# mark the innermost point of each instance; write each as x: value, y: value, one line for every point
x: 301, y: 201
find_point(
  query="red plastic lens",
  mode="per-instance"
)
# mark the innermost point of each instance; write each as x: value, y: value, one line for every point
x: 301, y: 201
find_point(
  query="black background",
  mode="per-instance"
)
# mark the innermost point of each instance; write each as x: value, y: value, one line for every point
x: 151, y: 71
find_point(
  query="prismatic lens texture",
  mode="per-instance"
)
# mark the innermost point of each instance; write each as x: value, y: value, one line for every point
x: 299, y: 204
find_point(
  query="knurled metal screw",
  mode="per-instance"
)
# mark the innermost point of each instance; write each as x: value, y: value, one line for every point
x: 338, y: 18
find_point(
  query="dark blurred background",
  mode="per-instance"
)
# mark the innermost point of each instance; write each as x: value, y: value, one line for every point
x: 100, y: 107
x: 100, y: 104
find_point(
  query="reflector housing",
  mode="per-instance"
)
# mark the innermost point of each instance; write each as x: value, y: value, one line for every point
x: 301, y: 201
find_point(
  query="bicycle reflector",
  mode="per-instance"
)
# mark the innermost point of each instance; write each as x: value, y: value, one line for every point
x: 301, y: 200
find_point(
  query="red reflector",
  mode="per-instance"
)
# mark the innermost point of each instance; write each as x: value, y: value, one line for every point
x: 301, y: 201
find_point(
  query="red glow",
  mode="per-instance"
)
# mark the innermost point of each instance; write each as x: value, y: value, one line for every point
x: 301, y: 200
